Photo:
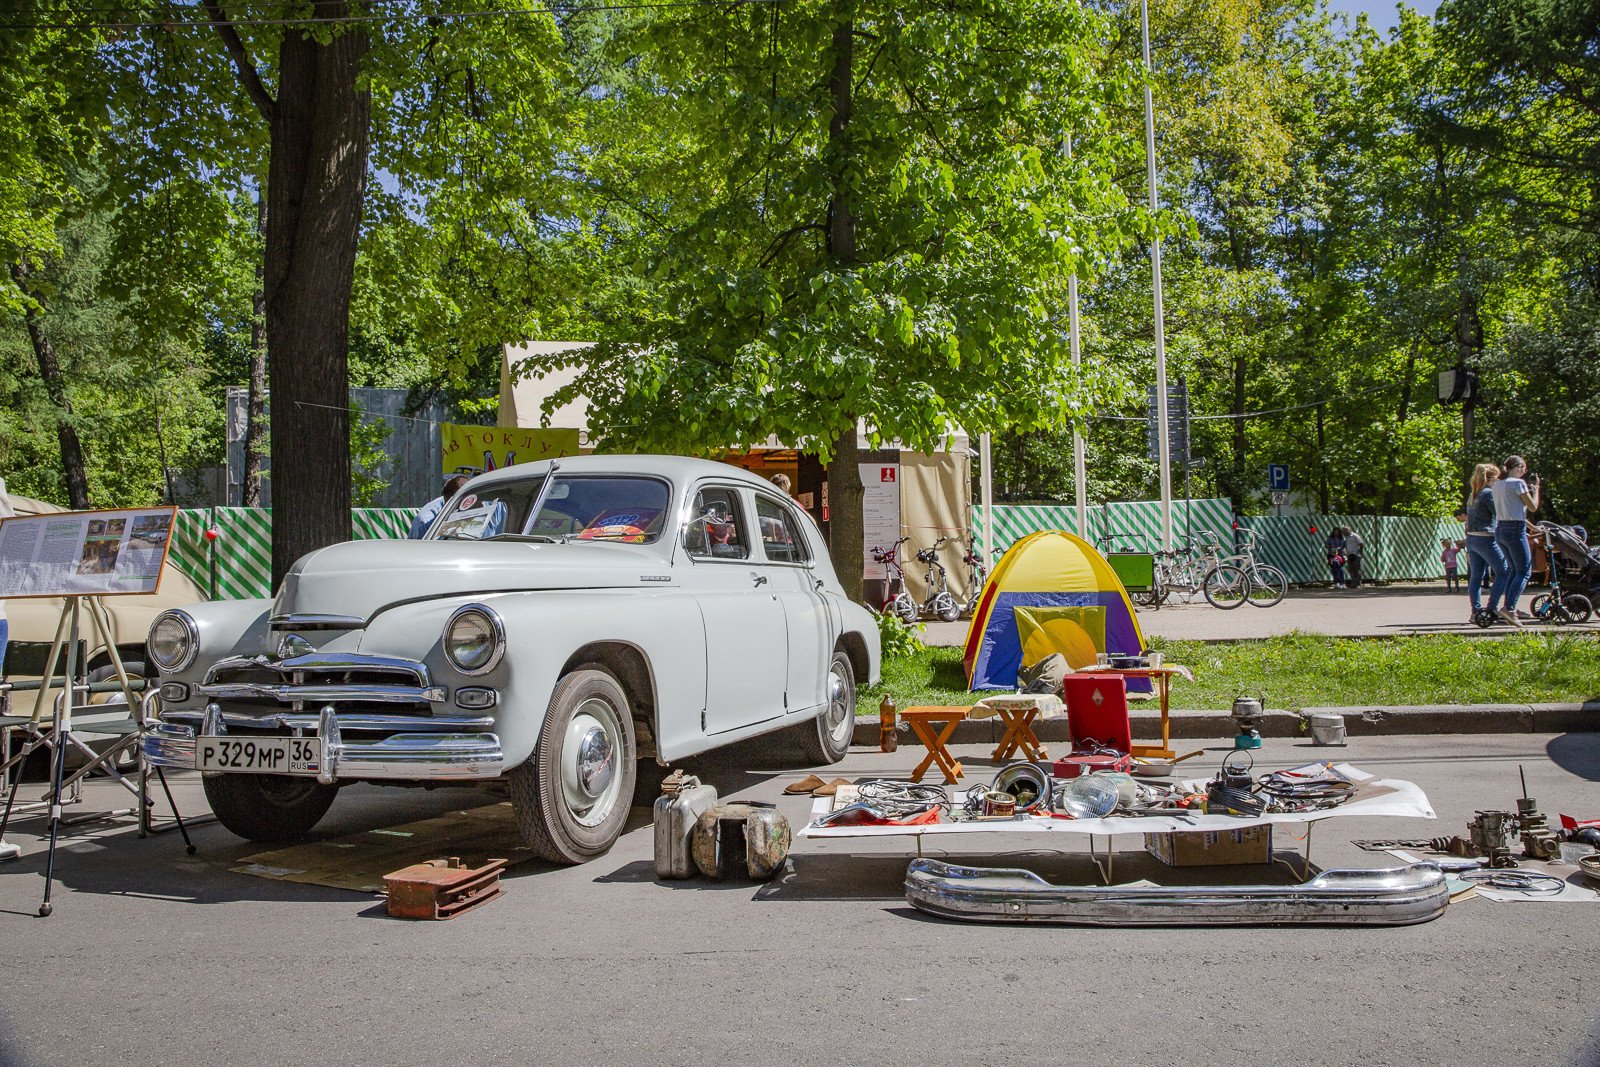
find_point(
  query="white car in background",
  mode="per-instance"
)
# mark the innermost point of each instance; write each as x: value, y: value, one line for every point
x: 559, y: 621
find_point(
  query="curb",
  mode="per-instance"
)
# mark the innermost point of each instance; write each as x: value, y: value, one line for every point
x: 1360, y: 721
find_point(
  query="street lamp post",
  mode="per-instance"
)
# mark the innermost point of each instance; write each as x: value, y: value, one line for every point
x: 1163, y: 445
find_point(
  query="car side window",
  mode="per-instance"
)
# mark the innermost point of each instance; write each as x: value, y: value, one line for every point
x: 716, y: 526
x: 781, y: 538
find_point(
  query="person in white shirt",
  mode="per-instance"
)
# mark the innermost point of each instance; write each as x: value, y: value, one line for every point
x: 1354, y: 551
x: 1515, y: 496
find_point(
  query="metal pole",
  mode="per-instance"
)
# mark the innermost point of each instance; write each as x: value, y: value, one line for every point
x: 1079, y: 473
x: 986, y: 493
x: 1163, y: 444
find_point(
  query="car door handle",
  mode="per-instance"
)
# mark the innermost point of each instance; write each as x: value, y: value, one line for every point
x: 819, y: 584
x: 760, y: 579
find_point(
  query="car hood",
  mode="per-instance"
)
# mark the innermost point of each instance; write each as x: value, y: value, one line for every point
x: 359, y: 578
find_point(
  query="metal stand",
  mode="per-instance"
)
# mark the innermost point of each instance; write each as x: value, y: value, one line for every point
x: 62, y: 736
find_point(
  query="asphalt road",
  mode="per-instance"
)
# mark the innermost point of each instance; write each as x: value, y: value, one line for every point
x: 1371, y: 611
x: 153, y: 957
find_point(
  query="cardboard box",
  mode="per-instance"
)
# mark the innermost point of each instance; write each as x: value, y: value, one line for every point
x: 1211, y: 848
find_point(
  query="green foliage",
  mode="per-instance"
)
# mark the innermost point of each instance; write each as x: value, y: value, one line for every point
x: 897, y: 639
x: 731, y: 316
x: 367, y: 457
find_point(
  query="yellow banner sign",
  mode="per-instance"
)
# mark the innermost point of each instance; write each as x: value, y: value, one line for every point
x: 493, y: 447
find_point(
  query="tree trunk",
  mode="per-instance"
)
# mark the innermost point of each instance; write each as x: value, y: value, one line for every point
x: 845, y: 492
x: 315, y: 187
x: 255, y: 425
x: 55, y: 387
x: 846, y: 522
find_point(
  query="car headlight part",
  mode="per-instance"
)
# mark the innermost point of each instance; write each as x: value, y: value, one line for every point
x: 474, y: 639
x: 174, y: 641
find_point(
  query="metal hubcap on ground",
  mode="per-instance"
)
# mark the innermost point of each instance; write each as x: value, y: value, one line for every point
x: 589, y: 762
x: 841, y: 715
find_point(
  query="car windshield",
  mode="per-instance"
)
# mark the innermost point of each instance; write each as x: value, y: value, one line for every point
x: 578, y: 507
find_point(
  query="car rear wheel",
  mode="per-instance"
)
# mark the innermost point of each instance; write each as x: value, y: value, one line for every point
x: 268, y: 807
x: 826, y: 738
x: 572, y: 795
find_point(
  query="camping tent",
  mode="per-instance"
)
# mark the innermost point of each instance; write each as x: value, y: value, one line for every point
x: 1054, y: 576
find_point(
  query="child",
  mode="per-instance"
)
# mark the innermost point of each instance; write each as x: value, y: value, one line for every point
x: 1452, y: 577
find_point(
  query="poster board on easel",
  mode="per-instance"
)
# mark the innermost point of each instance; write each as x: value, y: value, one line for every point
x: 111, y: 552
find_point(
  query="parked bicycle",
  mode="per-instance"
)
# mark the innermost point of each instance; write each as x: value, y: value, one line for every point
x: 1268, y: 584
x: 977, y: 574
x: 1189, y: 570
x: 938, y: 603
x: 897, y: 599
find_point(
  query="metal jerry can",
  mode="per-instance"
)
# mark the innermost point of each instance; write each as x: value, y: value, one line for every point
x: 682, y: 800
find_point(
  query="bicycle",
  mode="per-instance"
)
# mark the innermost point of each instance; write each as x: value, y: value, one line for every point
x: 1268, y: 584
x: 1186, y: 571
x: 977, y: 575
x: 939, y: 602
x: 897, y: 599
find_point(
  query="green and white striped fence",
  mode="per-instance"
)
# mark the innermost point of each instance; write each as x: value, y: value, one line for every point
x: 1397, y: 547
x: 1131, y: 526
x: 244, y: 545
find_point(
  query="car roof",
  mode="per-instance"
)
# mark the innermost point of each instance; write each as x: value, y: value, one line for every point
x: 677, y: 469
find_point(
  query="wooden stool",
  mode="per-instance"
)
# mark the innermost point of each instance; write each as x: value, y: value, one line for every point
x: 922, y: 721
x: 1019, y: 735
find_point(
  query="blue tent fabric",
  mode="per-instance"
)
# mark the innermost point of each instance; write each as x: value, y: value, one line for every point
x: 1000, y: 651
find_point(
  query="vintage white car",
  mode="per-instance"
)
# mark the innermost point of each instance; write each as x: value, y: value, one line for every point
x: 559, y: 621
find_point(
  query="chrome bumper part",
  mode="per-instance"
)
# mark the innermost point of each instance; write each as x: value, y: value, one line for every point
x: 427, y: 750
x: 1397, y: 896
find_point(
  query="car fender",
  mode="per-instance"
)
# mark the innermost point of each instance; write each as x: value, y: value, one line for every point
x: 548, y: 632
x: 225, y: 628
x: 859, y: 624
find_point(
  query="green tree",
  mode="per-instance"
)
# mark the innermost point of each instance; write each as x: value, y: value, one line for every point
x: 848, y: 213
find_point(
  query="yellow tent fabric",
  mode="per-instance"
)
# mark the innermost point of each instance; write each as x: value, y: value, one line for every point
x: 1078, y: 634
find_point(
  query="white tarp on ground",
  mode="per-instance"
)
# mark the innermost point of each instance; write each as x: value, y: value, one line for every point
x: 1379, y: 796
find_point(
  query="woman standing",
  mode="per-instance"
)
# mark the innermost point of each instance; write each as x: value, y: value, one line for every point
x: 1335, y: 548
x: 1514, y: 498
x: 1483, y: 555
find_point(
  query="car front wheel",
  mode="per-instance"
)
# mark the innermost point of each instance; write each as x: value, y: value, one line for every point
x: 268, y: 807
x: 572, y: 795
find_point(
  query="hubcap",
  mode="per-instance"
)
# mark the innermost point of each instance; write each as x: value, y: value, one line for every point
x: 589, y: 761
x: 841, y: 715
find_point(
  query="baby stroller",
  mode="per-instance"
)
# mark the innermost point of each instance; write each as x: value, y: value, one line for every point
x: 1572, y: 564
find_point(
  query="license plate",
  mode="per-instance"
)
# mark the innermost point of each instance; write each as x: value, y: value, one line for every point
x: 257, y: 755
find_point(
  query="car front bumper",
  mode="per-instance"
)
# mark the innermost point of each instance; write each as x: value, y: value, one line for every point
x: 1396, y: 896
x: 420, y: 749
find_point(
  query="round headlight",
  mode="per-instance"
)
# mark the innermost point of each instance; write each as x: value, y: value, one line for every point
x: 474, y: 639
x: 174, y: 641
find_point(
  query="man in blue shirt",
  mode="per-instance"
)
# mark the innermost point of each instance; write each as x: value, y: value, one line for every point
x: 431, y: 510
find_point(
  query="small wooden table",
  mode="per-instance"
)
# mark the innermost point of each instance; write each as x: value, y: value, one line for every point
x: 922, y: 722
x: 1162, y: 676
x: 1019, y: 735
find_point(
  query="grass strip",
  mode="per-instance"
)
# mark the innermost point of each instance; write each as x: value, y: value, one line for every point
x: 1297, y: 671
